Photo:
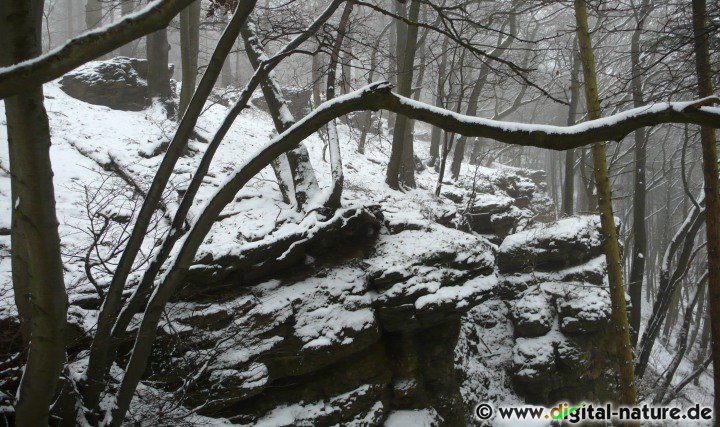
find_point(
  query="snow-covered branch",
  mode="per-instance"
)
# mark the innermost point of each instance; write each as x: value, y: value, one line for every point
x: 88, y: 46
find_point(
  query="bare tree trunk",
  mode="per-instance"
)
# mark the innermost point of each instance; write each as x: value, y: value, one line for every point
x: 189, y: 51
x: 93, y: 14
x: 126, y: 7
x: 569, y: 184
x: 158, y: 80
x: 627, y: 393
x: 639, y: 248
x: 334, y: 198
x: 70, y: 24
x: 436, y: 134
x: 393, y: 65
x: 366, y: 117
x: 472, y: 105
x: 398, y: 170
x: 712, y: 198
x: 35, y: 225
x: 669, y: 281
x: 302, y: 185
x: 316, y: 79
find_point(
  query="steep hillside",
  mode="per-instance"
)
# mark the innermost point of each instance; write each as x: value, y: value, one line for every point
x: 400, y: 308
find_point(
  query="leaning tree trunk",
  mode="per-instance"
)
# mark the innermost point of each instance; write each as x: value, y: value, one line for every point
x: 34, y: 223
x: 682, y: 342
x: 334, y: 198
x: 639, y: 248
x: 612, y: 252
x: 302, y: 183
x: 102, y: 349
x: 189, y: 50
x: 712, y: 198
x: 472, y: 105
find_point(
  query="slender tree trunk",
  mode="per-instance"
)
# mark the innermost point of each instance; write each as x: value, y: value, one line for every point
x: 35, y: 225
x: 334, y: 198
x: 93, y: 14
x: 70, y: 24
x: 126, y: 7
x: 639, y: 248
x: 317, y: 79
x: 399, y: 171
x: 569, y: 184
x: 393, y: 64
x: 158, y: 80
x: 302, y: 183
x: 189, y: 51
x: 712, y: 198
x: 627, y: 393
x: 436, y: 134
x: 472, y: 105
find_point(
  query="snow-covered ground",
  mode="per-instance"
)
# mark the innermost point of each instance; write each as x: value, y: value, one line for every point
x: 89, y: 140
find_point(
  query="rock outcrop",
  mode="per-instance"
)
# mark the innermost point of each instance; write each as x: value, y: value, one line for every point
x: 497, y: 202
x: 351, y: 320
x: 553, y: 281
x: 354, y: 317
x: 119, y: 83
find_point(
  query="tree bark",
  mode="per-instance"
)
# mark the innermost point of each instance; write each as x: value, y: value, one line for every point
x: 334, y: 197
x: 436, y: 135
x: 627, y: 393
x: 639, y: 231
x: 302, y: 183
x: 472, y: 105
x: 682, y: 342
x: 93, y: 14
x: 712, y: 198
x: 35, y: 225
x: 568, y: 204
x: 189, y: 51
x: 126, y: 8
x: 158, y: 80
x: 400, y: 170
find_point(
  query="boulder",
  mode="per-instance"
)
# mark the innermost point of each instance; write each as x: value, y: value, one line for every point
x: 552, y: 247
x: 119, y: 83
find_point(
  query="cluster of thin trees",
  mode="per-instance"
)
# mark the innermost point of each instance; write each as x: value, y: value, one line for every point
x: 447, y: 64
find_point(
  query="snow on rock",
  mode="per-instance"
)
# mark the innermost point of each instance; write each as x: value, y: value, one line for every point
x: 119, y: 83
x: 567, y: 242
x: 533, y: 314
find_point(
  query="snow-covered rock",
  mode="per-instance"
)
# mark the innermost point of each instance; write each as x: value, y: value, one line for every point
x: 119, y: 83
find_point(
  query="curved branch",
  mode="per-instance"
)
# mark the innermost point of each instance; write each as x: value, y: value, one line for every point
x: 88, y: 46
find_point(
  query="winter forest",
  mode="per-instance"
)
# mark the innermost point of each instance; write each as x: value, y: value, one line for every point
x: 357, y: 212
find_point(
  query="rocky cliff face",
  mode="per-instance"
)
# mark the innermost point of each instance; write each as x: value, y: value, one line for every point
x: 399, y: 308
x: 356, y: 317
